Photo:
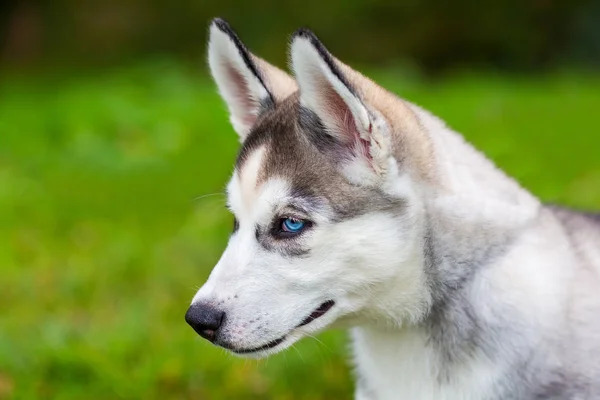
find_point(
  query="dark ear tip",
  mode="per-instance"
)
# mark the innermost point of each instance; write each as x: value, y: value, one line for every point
x: 305, y: 33
x: 221, y: 25
x: 224, y: 27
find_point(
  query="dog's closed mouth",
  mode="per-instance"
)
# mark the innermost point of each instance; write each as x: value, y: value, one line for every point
x: 267, y: 346
x: 319, y: 312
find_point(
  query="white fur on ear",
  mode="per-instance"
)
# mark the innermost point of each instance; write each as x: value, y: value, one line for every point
x: 246, y: 83
x: 331, y: 90
x: 321, y: 81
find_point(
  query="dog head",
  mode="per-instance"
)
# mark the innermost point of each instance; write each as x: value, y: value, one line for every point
x: 328, y: 220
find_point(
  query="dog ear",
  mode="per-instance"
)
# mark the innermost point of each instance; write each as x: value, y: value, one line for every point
x: 248, y: 84
x: 332, y: 91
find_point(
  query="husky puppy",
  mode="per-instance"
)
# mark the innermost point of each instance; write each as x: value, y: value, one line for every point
x: 356, y: 208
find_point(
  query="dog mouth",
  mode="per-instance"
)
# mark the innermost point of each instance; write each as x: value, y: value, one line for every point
x: 267, y: 346
x: 317, y: 313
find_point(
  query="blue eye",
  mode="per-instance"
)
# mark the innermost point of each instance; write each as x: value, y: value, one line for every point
x: 292, y: 225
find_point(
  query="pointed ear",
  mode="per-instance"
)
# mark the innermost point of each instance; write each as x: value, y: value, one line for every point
x: 246, y: 83
x: 332, y: 91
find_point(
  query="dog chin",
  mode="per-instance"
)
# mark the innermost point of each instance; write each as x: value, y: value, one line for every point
x: 318, y: 320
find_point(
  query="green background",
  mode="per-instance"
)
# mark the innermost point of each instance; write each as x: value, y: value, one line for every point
x: 112, y: 170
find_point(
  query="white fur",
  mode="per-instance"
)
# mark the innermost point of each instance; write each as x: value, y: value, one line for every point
x: 223, y: 57
x: 402, y: 361
x: 537, y: 290
x: 401, y: 365
x: 375, y: 276
x: 313, y: 75
x: 284, y: 291
x: 317, y: 81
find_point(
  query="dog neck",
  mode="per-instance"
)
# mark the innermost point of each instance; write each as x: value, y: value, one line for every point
x: 469, y: 219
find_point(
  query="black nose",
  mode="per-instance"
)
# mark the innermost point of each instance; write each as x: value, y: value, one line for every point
x: 205, y: 319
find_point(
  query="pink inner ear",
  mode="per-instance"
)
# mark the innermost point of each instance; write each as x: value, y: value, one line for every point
x: 246, y: 103
x: 346, y: 124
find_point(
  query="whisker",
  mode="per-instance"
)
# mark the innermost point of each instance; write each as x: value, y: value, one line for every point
x: 209, y: 195
x: 299, y: 353
x: 319, y: 341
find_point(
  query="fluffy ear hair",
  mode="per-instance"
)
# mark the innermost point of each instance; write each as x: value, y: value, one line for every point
x: 331, y: 90
x: 247, y: 83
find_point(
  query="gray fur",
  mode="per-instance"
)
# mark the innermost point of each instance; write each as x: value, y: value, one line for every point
x: 300, y: 150
x: 506, y: 281
x: 575, y: 220
x: 457, y: 331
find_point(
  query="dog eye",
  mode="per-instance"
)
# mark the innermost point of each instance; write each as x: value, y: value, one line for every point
x: 290, y: 227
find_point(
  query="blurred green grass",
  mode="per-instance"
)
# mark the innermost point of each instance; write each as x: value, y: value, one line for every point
x: 104, y: 239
